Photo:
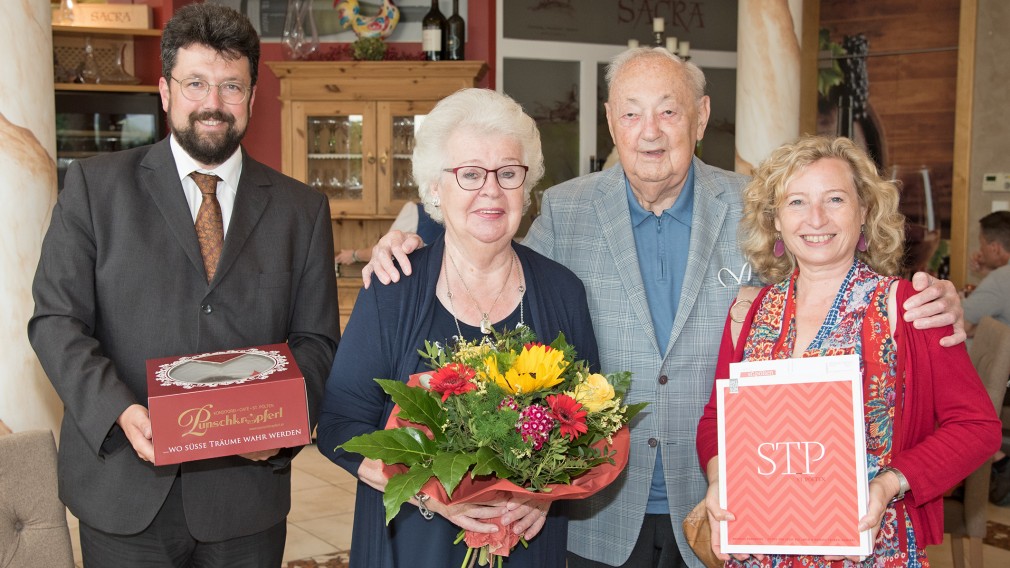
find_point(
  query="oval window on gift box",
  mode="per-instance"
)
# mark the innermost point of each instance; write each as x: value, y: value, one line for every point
x: 221, y: 368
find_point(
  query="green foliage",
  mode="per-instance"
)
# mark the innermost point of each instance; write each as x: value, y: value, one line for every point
x: 402, y: 487
x: 408, y: 446
x: 829, y: 74
x: 368, y: 49
x: 416, y: 405
x: 450, y: 468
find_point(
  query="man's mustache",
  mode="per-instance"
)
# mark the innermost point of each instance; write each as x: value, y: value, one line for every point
x: 212, y: 115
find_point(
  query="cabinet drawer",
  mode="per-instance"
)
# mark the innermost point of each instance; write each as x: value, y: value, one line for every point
x: 375, y: 89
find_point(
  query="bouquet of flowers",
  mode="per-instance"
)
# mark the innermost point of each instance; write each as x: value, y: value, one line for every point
x: 503, y: 414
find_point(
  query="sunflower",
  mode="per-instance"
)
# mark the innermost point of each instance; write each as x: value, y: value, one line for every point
x: 536, y: 368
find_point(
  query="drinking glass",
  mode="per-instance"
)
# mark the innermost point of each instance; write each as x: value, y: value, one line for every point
x: 315, y: 135
x: 331, y: 145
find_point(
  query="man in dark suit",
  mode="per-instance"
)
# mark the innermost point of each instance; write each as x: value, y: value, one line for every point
x: 143, y: 260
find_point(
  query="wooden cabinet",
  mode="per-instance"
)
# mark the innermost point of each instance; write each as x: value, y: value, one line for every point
x: 109, y: 44
x: 347, y: 129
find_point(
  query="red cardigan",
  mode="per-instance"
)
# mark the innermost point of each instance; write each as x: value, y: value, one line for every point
x: 948, y: 424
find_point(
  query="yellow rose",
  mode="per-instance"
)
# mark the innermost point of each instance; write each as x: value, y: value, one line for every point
x: 594, y: 393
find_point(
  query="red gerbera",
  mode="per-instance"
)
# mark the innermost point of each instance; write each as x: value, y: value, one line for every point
x: 454, y: 378
x: 533, y: 344
x: 569, y: 414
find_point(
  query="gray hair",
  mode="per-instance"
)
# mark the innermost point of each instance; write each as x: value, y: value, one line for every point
x: 483, y: 111
x: 695, y: 76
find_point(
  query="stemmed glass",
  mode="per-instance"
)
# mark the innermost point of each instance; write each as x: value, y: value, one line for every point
x: 408, y: 135
x: 317, y: 180
x: 119, y: 75
x: 299, y: 37
x: 331, y: 124
x: 334, y: 182
x: 315, y: 134
x: 399, y: 136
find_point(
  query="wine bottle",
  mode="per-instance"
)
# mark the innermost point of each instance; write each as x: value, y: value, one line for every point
x: 433, y: 34
x: 455, y: 44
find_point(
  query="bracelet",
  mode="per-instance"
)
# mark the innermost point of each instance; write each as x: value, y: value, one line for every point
x: 427, y: 514
x: 354, y: 255
x: 903, y: 486
x: 735, y: 314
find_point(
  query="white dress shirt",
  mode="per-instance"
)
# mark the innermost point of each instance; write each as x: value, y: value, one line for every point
x: 230, y: 171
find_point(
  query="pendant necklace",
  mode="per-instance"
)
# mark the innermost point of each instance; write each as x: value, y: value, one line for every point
x: 485, y: 319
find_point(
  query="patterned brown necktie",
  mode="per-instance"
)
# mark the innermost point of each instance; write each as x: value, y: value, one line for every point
x: 209, y: 222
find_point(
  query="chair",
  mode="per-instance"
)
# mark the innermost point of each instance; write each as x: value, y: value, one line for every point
x: 33, y: 520
x: 966, y: 517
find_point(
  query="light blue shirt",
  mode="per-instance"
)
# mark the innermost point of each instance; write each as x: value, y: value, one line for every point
x: 662, y: 242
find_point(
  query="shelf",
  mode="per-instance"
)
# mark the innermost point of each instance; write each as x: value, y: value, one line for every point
x: 83, y: 30
x: 106, y: 88
x: 78, y: 155
x: 334, y: 156
x: 90, y: 134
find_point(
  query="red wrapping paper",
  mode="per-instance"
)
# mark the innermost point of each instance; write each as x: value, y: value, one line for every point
x: 486, y: 488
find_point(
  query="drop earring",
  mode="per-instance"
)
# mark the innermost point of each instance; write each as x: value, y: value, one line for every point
x: 780, y: 247
x: 436, y: 202
x: 861, y: 243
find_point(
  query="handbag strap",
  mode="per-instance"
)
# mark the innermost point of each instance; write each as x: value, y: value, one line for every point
x: 738, y: 312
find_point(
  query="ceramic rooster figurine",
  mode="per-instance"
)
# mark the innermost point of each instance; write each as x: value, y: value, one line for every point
x: 380, y: 25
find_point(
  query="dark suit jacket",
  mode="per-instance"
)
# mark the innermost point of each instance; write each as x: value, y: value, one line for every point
x: 121, y: 280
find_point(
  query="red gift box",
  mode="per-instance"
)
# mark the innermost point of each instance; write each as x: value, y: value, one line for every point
x: 226, y: 403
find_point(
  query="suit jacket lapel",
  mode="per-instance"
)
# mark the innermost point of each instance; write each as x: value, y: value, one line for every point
x: 613, y: 217
x: 160, y: 178
x: 251, y: 201
x: 706, y: 223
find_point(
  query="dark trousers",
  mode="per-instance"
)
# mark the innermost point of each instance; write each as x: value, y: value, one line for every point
x: 166, y: 543
x: 656, y: 548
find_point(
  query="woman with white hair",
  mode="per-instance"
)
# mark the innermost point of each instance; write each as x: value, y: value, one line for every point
x: 476, y: 159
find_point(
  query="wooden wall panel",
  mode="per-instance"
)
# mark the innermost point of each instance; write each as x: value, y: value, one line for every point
x: 912, y: 93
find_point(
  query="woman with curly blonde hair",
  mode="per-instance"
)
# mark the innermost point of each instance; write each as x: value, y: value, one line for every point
x: 883, y: 232
x: 822, y: 227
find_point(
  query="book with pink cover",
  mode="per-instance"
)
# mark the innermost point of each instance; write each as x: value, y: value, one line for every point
x: 793, y: 457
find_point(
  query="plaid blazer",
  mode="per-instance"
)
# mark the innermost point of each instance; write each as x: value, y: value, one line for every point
x: 585, y: 225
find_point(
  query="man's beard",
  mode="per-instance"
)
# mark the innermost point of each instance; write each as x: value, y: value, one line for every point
x: 205, y: 149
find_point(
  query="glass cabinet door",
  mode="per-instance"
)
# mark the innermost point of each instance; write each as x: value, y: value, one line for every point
x: 398, y: 122
x: 338, y: 144
x: 88, y: 124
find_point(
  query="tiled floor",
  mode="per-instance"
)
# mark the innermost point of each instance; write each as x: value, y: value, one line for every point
x: 322, y: 505
x: 992, y: 557
x: 322, y: 508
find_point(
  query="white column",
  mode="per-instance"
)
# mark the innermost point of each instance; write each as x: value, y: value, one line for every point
x: 27, y: 194
x: 768, y: 78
